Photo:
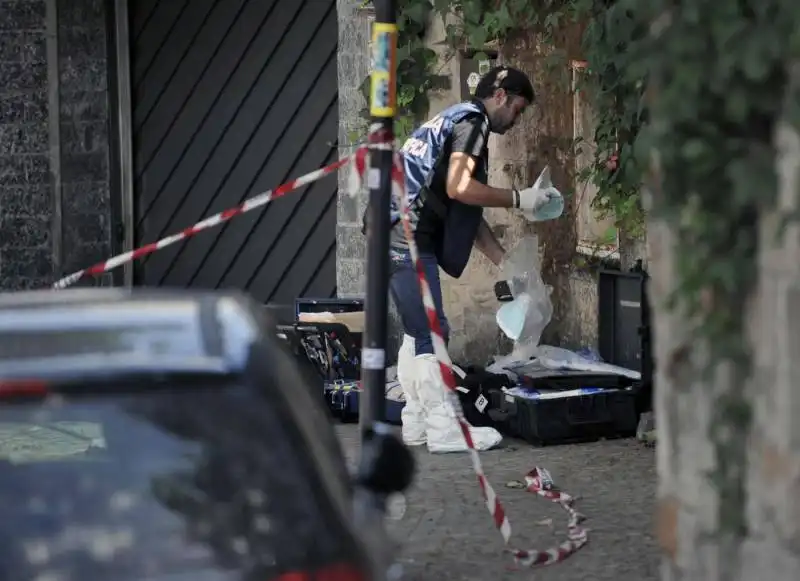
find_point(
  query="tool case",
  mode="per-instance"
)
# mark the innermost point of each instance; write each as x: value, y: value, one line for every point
x: 334, y: 353
x: 292, y: 340
x: 559, y: 406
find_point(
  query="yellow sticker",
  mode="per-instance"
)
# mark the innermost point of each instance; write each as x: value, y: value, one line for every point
x: 383, y: 93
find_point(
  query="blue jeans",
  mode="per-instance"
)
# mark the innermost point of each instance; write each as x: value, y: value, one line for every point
x: 404, y: 287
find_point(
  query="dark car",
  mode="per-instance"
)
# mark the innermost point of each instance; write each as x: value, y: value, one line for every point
x: 164, y: 437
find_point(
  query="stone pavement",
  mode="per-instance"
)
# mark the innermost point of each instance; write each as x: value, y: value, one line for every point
x: 447, y: 534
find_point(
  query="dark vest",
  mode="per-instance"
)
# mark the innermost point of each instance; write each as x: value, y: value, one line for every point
x: 423, y: 152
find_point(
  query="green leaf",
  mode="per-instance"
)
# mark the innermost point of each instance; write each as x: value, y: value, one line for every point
x: 737, y: 106
x: 477, y: 38
x: 551, y: 21
x: 580, y: 8
x: 429, y: 56
x: 417, y: 12
x: 504, y: 19
x: 694, y: 149
x: 403, y: 52
x: 757, y: 63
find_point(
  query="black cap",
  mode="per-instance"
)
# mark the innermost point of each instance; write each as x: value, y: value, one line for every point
x: 512, y: 81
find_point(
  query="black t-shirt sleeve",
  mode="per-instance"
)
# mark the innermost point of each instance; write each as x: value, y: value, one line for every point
x: 470, y: 136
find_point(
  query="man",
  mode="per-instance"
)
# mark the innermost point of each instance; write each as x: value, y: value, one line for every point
x: 446, y: 165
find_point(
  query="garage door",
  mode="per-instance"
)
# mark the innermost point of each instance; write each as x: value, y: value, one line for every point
x: 233, y: 97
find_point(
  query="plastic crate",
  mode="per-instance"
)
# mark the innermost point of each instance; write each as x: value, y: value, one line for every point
x: 567, y: 416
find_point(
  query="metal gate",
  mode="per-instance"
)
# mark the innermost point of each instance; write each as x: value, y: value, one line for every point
x: 230, y: 98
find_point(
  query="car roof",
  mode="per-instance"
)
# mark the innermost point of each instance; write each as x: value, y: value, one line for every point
x: 205, y: 333
x: 108, y: 295
x: 223, y: 333
x: 91, y: 331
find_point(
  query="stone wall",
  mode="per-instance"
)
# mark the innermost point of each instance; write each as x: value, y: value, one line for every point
x: 353, y: 62
x: 54, y: 176
x: 353, y: 57
x: 469, y: 301
x: 515, y: 160
x: 26, y: 197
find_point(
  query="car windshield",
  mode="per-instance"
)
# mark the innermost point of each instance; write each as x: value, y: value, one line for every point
x: 160, y: 485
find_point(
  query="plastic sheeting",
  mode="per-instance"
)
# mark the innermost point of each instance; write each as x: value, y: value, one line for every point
x: 524, y: 319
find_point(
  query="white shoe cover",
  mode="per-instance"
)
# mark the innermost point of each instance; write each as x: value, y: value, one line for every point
x: 444, y: 433
x: 413, y: 414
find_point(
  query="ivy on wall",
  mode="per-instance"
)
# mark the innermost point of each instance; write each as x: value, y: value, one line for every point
x: 614, y: 98
x: 720, y: 80
x: 617, y: 103
x: 704, y: 85
x: 712, y: 75
x: 416, y: 66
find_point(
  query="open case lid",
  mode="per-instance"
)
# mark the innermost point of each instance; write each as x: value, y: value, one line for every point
x: 624, y: 320
x: 354, y: 322
x: 348, y: 312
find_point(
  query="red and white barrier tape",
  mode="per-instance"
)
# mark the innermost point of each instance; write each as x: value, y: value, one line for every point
x: 215, y: 220
x: 538, y: 480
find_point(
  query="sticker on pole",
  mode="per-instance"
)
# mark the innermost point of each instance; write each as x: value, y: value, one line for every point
x: 384, y: 55
x: 472, y: 82
x: 373, y: 358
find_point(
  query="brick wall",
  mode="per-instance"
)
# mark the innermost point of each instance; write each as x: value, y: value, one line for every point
x: 26, y: 197
x: 516, y: 158
x: 54, y: 175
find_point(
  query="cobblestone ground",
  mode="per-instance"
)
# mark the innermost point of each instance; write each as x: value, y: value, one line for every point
x: 446, y: 531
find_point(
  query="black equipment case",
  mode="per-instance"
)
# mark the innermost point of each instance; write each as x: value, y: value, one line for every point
x: 567, y: 405
x: 332, y: 355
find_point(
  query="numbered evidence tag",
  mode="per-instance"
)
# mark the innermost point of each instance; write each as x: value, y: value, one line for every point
x: 481, y: 403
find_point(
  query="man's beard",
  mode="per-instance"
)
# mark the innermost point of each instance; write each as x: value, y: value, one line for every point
x: 501, y: 126
x: 502, y: 129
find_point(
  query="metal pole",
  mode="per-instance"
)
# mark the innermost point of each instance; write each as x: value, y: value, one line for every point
x: 382, y: 112
x: 386, y: 465
x: 122, y: 51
